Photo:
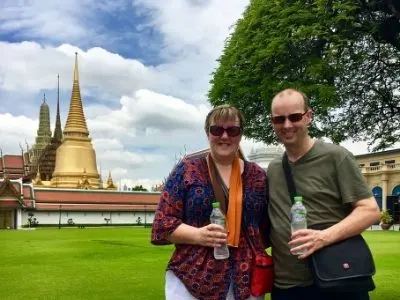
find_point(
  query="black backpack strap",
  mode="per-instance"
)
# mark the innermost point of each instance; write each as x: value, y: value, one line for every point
x: 288, y: 176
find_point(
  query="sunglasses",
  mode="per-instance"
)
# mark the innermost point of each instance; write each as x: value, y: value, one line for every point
x: 232, y: 131
x: 296, y: 117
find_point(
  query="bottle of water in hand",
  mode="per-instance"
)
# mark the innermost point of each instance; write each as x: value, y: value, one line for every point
x: 298, y: 217
x: 217, y: 217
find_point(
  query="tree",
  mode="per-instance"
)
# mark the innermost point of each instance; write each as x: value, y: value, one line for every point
x: 344, y: 54
x: 139, y: 188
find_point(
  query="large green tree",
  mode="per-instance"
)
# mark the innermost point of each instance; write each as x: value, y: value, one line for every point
x: 344, y: 54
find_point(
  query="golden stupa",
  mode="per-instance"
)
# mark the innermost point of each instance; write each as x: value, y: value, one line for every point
x: 76, y: 159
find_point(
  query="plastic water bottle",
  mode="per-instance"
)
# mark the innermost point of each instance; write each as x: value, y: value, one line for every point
x: 217, y: 217
x: 298, y: 217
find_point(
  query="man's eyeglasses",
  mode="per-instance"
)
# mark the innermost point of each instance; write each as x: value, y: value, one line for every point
x: 296, y: 117
x: 232, y: 131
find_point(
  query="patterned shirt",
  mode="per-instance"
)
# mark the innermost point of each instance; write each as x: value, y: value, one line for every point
x: 187, y: 198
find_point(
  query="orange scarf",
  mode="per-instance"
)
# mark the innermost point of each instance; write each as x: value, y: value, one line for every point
x: 234, y: 214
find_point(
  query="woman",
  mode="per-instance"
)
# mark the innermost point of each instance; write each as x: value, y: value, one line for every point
x: 183, y: 216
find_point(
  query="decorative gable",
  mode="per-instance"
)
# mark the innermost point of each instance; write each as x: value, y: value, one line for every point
x: 7, y: 189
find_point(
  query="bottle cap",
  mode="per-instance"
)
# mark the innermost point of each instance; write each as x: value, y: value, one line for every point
x: 298, y: 199
x: 215, y: 204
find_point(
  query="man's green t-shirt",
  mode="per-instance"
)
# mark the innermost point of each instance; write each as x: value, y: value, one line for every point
x: 329, y: 180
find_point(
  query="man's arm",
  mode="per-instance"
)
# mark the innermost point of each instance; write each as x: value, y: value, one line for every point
x: 365, y: 213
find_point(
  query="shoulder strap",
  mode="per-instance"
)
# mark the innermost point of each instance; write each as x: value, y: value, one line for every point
x: 288, y: 176
x: 220, y: 194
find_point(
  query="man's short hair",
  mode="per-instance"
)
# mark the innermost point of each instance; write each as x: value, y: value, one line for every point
x: 291, y: 91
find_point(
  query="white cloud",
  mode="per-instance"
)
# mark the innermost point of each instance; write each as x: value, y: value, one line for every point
x: 56, y: 21
x: 14, y: 131
x: 193, y: 38
x: 141, y: 117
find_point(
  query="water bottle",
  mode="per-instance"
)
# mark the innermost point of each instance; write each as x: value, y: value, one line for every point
x: 298, y: 217
x: 217, y: 217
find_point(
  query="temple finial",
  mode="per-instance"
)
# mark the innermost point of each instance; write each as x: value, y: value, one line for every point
x: 38, y: 179
x: 76, y: 72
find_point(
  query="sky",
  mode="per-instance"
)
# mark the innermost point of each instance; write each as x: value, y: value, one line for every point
x: 144, y: 67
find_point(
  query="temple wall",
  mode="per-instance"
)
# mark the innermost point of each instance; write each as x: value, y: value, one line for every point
x: 116, y: 218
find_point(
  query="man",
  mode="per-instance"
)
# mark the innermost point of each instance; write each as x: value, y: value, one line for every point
x: 333, y: 190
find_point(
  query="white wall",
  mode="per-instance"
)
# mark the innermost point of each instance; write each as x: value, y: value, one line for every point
x: 52, y: 217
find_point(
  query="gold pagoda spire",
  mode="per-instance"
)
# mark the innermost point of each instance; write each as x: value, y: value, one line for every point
x: 57, y: 129
x: 110, y: 182
x: 76, y: 122
x: 76, y: 158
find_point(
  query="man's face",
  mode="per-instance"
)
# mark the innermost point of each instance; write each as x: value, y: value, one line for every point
x: 290, y: 120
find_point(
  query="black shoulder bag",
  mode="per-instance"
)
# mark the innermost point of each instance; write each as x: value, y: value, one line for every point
x: 345, y: 266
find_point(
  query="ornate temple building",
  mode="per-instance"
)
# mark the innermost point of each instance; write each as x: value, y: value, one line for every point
x: 382, y: 173
x: 43, y: 168
x: 265, y: 154
x: 56, y: 181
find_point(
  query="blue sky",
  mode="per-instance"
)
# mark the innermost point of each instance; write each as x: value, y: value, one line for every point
x: 144, y: 68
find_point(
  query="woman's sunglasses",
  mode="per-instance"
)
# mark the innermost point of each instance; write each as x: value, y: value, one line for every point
x: 232, y: 131
x: 296, y: 117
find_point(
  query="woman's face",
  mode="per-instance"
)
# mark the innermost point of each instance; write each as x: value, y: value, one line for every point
x: 224, y: 138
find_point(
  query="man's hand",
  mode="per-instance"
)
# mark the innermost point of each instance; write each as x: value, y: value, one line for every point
x: 211, y: 235
x: 308, y: 241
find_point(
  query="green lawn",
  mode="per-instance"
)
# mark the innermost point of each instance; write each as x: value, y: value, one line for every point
x: 120, y: 263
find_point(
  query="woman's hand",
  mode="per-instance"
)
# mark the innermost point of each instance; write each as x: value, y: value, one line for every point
x: 211, y: 235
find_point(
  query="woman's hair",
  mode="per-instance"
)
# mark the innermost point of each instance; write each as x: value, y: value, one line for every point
x: 225, y: 112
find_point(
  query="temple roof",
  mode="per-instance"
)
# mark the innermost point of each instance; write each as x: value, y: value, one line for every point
x: 12, y: 162
x: 27, y: 191
x: 12, y: 166
x: 92, y: 207
x: 7, y: 189
x: 43, y: 195
x: 50, y: 199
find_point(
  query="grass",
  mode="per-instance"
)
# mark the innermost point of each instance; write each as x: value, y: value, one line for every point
x: 120, y: 263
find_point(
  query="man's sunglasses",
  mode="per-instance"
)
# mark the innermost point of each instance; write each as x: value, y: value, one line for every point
x: 232, y: 131
x: 296, y: 117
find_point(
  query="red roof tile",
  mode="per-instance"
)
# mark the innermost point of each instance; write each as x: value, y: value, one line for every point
x: 29, y: 203
x: 13, y: 161
x: 93, y: 207
x: 9, y: 203
x: 27, y: 191
x: 95, y: 197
